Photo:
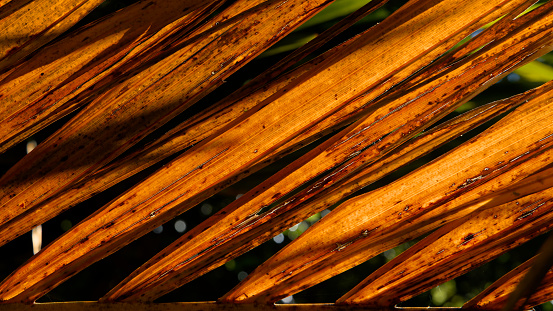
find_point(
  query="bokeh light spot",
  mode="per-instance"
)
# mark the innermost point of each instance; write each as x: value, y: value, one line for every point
x: 230, y: 265
x: 242, y: 275
x: 279, y: 238
x: 180, y: 226
x: 206, y: 209
x: 289, y: 299
x: 158, y: 230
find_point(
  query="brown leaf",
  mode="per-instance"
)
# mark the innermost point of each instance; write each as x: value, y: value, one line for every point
x: 388, y: 83
x: 63, y: 159
x: 352, y: 141
x: 421, y: 201
x: 44, y: 88
x: 28, y: 25
x: 232, y: 226
x: 206, y: 247
x: 454, y: 249
x: 204, y: 124
x: 173, y: 84
x: 495, y: 296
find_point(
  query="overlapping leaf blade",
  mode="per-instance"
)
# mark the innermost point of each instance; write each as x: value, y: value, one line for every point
x: 185, y: 260
x: 58, y: 80
x: 173, y: 84
x: 190, y: 132
x: 242, y: 216
x: 28, y: 25
x: 495, y: 296
x: 63, y: 159
x: 369, y: 224
x: 389, y: 99
x: 456, y: 248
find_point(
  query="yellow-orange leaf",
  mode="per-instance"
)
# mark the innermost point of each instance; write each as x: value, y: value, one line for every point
x: 144, y: 102
x: 369, y: 224
x: 454, y: 249
x: 427, y: 142
x: 236, y: 223
x: 46, y: 87
x: 172, y: 84
x: 27, y: 25
x: 495, y: 296
x: 371, y: 80
x: 186, y: 134
x: 202, y: 249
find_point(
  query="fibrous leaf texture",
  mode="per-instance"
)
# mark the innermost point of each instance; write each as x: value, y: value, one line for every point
x: 359, y: 111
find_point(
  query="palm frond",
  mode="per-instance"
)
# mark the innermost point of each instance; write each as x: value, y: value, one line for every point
x: 128, y: 94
